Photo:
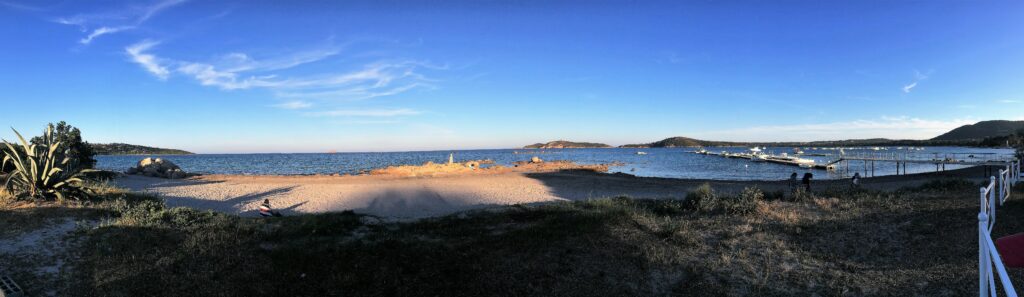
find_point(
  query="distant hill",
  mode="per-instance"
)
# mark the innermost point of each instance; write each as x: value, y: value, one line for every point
x: 131, y: 149
x: 557, y: 144
x: 982, y: 130
x: 683, y: 142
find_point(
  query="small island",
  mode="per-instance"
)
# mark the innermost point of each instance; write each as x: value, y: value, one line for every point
x: 131, y: 149
x: 558, y: 144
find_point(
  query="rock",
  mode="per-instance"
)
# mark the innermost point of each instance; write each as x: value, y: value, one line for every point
x: 176, y: 174
x: 157, y: 168
x: 536, y: 160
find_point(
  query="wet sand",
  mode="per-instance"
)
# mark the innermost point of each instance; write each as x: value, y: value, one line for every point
x: 417, y: 197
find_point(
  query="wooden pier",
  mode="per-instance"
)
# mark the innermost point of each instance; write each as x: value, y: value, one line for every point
x: 842, y: 161
x: 828, y: 166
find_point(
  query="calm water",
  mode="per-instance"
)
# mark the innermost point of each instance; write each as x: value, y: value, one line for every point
x: 658, y: 162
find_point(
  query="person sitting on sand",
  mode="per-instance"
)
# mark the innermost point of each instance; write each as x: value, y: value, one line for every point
x: 266, y: 211
x: 807, y: 181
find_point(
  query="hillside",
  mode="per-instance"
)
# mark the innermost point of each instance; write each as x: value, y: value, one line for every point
x: 557, y: 144
x: 131, y: 149
x: 682, y: 142
x: 982, y: 130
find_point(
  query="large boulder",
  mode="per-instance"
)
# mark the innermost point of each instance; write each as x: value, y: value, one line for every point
x: 157, y: 167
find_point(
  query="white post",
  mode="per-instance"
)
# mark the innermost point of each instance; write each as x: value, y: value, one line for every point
x: 982, y: 247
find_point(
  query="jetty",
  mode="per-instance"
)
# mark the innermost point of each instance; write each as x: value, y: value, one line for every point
x: 784, y: 160
x: 843, y: 162
x: 901, y: 159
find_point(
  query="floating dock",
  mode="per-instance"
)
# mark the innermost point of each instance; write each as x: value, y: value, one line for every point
x: 771, y: 159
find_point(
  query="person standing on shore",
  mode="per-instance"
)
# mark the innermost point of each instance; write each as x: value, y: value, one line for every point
x: 807, y: 181
x: 855, y: 180
x: 792, y: 183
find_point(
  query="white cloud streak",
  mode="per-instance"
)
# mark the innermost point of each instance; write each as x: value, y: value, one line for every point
x: 294, y: 105
x: 103, y: 31
x: 137, y: 52
x: 907, y: 88
x: 885, y: 127
x: 239, y: 71
x: 918, y: 77
x: 1009, y: 101
x: 365, y: 113
x: 111, y: 22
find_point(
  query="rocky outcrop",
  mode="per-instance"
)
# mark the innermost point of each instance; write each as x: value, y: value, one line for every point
x: 559, y: 144
x: 157, y: 167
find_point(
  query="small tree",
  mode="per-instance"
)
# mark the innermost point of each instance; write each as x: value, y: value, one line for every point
x: 70, y: 137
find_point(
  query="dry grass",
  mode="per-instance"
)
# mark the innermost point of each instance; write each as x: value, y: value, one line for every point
x: 844, y: 242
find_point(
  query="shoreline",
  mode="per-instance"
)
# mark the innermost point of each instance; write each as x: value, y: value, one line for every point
x: 402, y: 198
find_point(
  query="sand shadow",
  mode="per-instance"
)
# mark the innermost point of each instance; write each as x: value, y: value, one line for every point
x: 417, y: 203
x: 232, y: 205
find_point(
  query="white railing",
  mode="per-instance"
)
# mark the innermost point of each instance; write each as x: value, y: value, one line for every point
x: 1004, y: 180
x: 988, y: 256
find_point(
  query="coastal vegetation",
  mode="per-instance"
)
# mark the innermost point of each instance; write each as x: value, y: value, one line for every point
x: 557, y: 144
x: 47, y: 168
x: 836, y: 242
x: 78, y: 151
x: 131, y: 149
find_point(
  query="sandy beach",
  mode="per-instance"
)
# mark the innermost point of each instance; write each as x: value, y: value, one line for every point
x: 417, y: 197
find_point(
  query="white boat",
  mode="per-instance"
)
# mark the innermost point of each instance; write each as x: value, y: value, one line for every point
x: 757, y: 155
x: 641, y: 153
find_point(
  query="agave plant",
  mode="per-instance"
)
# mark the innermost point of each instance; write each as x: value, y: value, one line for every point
x: 40, y: 172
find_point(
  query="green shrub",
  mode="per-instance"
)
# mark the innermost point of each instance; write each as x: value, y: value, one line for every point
x: 79, y: 151
x: 745, y: 203
x: 40, y: 172
x: 703, y: 199
x: 801, y: 195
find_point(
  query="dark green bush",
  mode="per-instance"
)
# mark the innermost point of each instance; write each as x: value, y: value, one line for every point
x: 80, y: 153
x: 745, y: 203
x: 703, y: 199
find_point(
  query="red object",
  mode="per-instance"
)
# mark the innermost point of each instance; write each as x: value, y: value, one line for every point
x: 1011, y: 249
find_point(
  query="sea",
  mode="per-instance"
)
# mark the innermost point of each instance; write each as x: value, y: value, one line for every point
x: 647, y: 162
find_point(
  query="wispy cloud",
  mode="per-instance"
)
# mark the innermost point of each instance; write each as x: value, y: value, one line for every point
x: 365, y: 113
x: 20, y: 6
x: 1009, y: 101
x: 239, y: 71
x: 887, y: 127
x: 110, y: 22
x: 907, y: 88
x: 294, y: 105
x: 137, y: 52
x: 103, y: 31
x: 918, y: 77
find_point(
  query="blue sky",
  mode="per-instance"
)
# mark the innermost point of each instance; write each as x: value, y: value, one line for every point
x: 313, y: 76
